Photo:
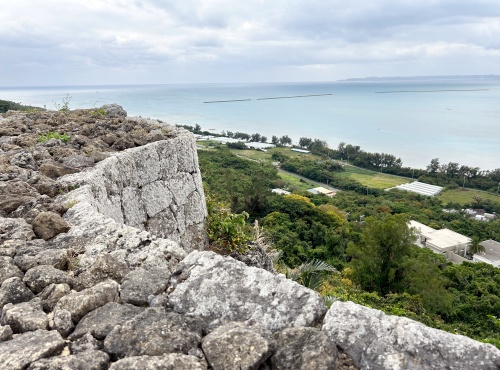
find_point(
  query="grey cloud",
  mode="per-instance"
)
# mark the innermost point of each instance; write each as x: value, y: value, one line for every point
x: 253, y: 38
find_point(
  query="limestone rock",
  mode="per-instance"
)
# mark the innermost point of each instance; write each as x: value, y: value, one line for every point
x: 305, y: 348
x: 81, y: 303
x: 375, y: 340
x: 8, y: 269
x: 51, y: 294
x: 236, y: 346
x: 254, y: 257
x: 220, y: 289
x: 154, y: 332
x: 26, y: 316
x: 57, y: 258
x: 139, y: 284
x: 54, y: 170
x: 40, y: 277
x: 103, y: 319
x: 15, y: 193
x: 49, y: 224
x: 45, y: 185
x: 5, y: 333
x: 14, y: 291
x: 85, y: 343
x: 105, y: 267
x: 15, y: 228
x: 173, y: 361
x: 23, y: 159
x: 63, y: 323
x: 90, y: 360
x: 78, y: 161
x: 114, y: 110
x: 18, y: 353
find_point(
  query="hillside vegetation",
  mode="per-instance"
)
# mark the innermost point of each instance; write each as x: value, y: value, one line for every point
x: 352, y: 232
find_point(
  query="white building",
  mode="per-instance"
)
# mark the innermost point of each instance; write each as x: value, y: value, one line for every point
x: 322, y: 190
x: 440, y: 241
x: 421, y: 188
x: 280, y: 191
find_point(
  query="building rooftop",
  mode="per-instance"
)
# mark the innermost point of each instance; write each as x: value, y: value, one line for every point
x: 322, y: 190
x: 445, y: 238
x: 421, y: 228
x: 280, y: 191
x: 300, y: 151
x: 421, y: 188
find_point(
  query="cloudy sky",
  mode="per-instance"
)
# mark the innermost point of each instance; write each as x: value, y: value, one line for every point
x: 67, y: 42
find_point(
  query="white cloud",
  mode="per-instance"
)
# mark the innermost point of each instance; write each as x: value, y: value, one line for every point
x: 229, y: 40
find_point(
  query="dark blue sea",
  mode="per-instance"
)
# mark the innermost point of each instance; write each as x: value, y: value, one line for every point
x: 453, y: 120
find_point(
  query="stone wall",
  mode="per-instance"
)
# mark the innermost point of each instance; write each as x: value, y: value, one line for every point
x: 156, y: 187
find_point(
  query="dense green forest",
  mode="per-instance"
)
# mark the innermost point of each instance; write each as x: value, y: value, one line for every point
x: 363, y: 236
x: 6, y: 105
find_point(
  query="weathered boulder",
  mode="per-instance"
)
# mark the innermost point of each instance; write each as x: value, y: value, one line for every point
x: 305, y: 348
x: 103, y: 319
x: 13, y: 290
x: 8, y: 269
x: 45, y: 185
x: 219, y: 290
x: 254, y: 257
x: 85, y: 343
x: 15, y: 229
x: 40, y: 277
x: 139, y: 284
x: 32, y: 208
x: 81, y: 303
x: 54, y: 170
x: 154, y: 332
x: 5, y: 333
x: 114, y: 111
x: 90, y: 360
x: 172, y: 361
x: 15, y: 193
x: 49, y: 224
x: 57, y: 258
x: 24, y: 349
x: 51, y: 294
x: 23, y: 159
x: 375, y: 340
x: 26, y: 316
x: 63, y: 323
x: 105, y: 267
x: 78, y: 161
x: 237, y: 346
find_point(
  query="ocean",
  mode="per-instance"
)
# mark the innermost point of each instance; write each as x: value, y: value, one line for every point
x: 453, y: 120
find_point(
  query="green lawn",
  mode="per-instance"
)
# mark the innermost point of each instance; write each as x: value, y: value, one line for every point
x: 293, y: 182
x: 372, y: 179
x: 465, y: 196
x: 368, y: 178
x: 266, y: 156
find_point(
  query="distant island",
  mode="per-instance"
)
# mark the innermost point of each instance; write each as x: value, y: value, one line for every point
x: 424, y: 78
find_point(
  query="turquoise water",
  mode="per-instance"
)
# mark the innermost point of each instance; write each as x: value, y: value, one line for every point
x: 460, y: 126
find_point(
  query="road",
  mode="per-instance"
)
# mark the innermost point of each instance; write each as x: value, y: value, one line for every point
x: 296, y: 175
x: 309, y: 180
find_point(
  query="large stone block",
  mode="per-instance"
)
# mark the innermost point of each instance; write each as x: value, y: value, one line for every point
x: 375, y: 340
x: 220, y: 289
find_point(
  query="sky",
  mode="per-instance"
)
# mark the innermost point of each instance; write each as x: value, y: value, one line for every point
x: 99, y: 42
